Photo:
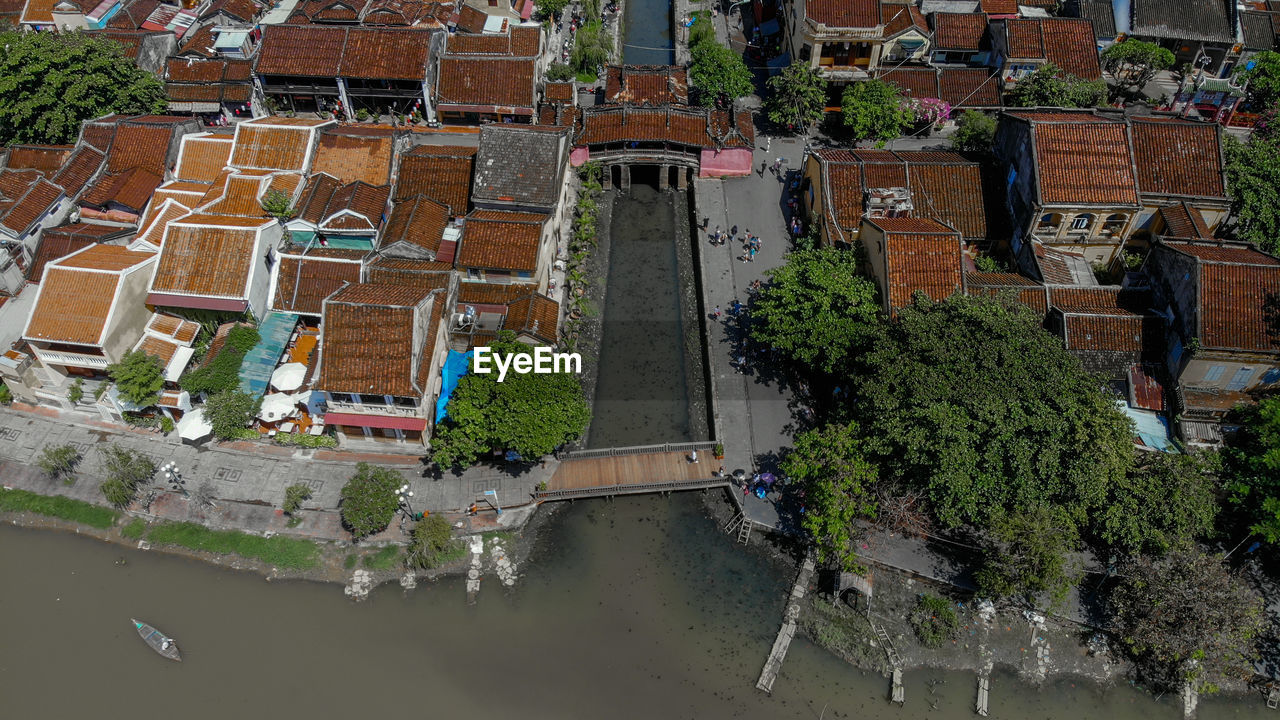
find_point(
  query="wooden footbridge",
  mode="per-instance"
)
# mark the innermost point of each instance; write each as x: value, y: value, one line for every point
x: 633, y: 471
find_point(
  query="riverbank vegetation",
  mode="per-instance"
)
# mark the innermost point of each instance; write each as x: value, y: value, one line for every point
x: 582, y: 243
x: 58, y: 507
x: 369, y: 500
x: 289, y: 553
x: 965, y: 419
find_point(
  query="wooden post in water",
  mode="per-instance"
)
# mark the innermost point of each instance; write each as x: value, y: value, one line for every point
x: 984, y: 687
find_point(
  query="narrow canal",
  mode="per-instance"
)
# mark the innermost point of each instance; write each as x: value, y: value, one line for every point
x: 646, y: 30
x: 636, y: 608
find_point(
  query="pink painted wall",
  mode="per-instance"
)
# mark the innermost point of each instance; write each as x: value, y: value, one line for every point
x: 733, y: 162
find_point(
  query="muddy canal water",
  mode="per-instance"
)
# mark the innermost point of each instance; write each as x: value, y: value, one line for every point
x: 636, y: 608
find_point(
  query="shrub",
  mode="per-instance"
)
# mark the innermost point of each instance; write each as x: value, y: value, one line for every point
x: 229, y: 412
x: 58, y: 461
x: 975, y: 132
x: 277, y: 204
x: 560, y: 72
x: 369, y: 500
x: 76, y: 391
x: 934, y: 621
x: 166, y: 425
x: 306, y: 441
x: 432, y: 540
x: 135, y: 529
x: 139, y: 377
x: 384, y: 559
x: 362, y: 115
x: 277, y: 550
x: 223, y: 371
x: 294, y: 495
x: 6, y: 396
x: 125, y: 471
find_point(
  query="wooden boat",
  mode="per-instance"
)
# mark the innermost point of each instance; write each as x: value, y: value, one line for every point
x: 158, y: 641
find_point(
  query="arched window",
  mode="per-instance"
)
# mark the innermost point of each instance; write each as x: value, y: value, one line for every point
x: 1115, y: 223
x: 1049, y: 223
x: 1082, y: 222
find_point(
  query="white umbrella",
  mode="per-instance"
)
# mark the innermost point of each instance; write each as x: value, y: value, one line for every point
x: 289, y: 376
x: 194, y: 427
x: 278, y: 406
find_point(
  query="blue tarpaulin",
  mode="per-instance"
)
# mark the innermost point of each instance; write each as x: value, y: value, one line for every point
x: 1151, y: 428
x: 455, y: 366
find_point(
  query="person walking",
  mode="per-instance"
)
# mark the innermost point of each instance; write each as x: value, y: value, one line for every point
x: 715, y: 314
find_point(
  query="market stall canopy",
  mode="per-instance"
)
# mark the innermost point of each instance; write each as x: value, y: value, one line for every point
x: 289, y: 376
x: 193, y: 427
x: 278, y: 406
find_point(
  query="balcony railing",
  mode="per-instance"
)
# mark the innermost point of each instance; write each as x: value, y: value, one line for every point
x: 370, y: 409
x: 54, y: 357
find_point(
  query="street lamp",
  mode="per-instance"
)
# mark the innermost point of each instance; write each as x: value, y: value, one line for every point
x: 404, y: 493
x: 174, y: 477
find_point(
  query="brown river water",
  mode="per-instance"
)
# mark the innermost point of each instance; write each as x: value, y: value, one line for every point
x: 636, y: 608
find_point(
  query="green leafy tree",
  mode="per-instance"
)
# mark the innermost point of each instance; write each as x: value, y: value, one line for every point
x: 1028, y: 558
x: 277, y: 204
x: 369, y: 500
x: 76, y: 391
x: 1166, y: 502
x: 592, y: 47
x: 139, y: 378
x: 1252, y: 467
x: 1134, y: 63
x: 1262, y: 81
x: 1186, y: 618
x: 124, y: 471
x: 817, y: 309
x: 230, y: 411
x: 54, y: 81
x: 560, y: 72
x: 1253, y: 184
x: 58, y: 461
x: 1049, y: 86
x: 431, y: 541
x: 530, y: 413
x: 874, y: 110
x: 972, y: 401
x: 222, y: 372
x: 797, y: 97
x: 719, y: 74
x: 975, y: 132
x: 838, y: 484
x: 294, y: 496
x: 551, y: 8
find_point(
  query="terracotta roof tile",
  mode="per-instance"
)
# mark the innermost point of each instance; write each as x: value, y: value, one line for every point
x: 35, y: 202
x: 386, y: 53
x: 133, y: 14
x: 993, y: 284
x: 913, y: 82
x: 1025, y: 38
x: 271, y: 144
x: 244, y: 10
x: 140, y: 145
x: 367, y: 340
x: 1184, y: 221
x: 1070, y: 44
x: 348, y: 157
x: 921, y: 255
x: 57, y: 243
x: 156, y: 220
x: 969, y: 87
x: 999, y: 7
x: 1108, y: 319
x: 77, y: 293
x: 1238, y: 287
x: 99, y: 133
x: 308, y: 50
x: 203, y: 260
x: 536, y: 315
x: 899, y: 18
x: 844, y: 13
x: 423, y: 274
x: 240, y: 195
x: 441, y: 173
x: 1178, y: 158
x: 684, y: 125
x: 184, y: 331
x: 959, y: 31
x: 304, y: 282
x: 131, y: 188
x: 1085, y: 163
x: 203, y: 157
x: 489, y: 294
x: 646, y: 84
x: 472, y: 81
x: 563, y: 92
x: 471, y: 19
x: 45, y: 158
x: 501, y: 244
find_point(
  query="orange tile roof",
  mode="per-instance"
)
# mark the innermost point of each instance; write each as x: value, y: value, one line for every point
x: 1068, y: 43
x: 1238, y: 286
x: 698, y: 127
x: 155, y: 221
x: 77, y: 293
x: 350, y: 157
x: 140, y: 145
x: 203, y: 260
x: 367, y: 342
x: 79, y: 170
x: 273, y: 143
x: 417, y: 221
x: 184, y: 331
x: 45, y: 158
x: 501, y: 244
x: 304, y: 282
x: 563, y: 92
x: 131, y: 188
x: 441, y: 173
x: 308, y: 50
x: 844, y: 13
x: 536, y: 315
x: 646, y: 84
x: 958, y: 31
x: 485, y: 82
x: 921, y: 255
x: 993, y: 284
x: 1178, y: 158
x: 203, y: 157
x: 386, y: 53
x: 899, y: 18
x: 1108, y: 319
x: 239, y: 195
x: 59, y: 242
x: 1085, y: 162
x: 423, y: 274
x: 969, y: 87
x: 30, y: 206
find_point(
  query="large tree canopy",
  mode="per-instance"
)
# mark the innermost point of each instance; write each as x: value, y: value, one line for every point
x: 1165, y: 503
x: 873, y: 110
x: 797, y: 97
x: 1253, y: 182
x: 1252, y: 467
x: 529, y: 413
x: 817, y: 309
x: 1186, y: 618
x: 51, y: 82
x: 1261, y: 77
x: 973, y: 401
x: 838, y: 488
x: 1049, y: 86
x: 1134, y: 63
x: 719, y: 73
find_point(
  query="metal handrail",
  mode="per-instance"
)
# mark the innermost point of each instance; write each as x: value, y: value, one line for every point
x: 638, y: 450
x: 607, y: 490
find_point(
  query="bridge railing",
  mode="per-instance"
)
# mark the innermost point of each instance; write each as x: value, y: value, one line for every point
x: 638, y: 450
x: 610, y: 490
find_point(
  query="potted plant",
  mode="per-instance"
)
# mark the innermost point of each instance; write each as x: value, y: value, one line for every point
x: 718, y: 451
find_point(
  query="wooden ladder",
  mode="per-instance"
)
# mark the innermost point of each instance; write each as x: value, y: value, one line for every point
x: 742, y: 525
x: 894, y: 659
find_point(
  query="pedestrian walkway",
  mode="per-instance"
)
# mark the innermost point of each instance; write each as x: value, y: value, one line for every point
x: 249, y: 474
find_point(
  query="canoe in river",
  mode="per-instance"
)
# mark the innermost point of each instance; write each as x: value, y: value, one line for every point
x: 158, y: 641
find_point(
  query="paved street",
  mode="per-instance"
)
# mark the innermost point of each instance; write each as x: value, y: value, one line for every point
x: 249, y: 474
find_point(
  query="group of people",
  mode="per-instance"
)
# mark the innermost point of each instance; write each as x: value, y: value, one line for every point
x: 751, y: 243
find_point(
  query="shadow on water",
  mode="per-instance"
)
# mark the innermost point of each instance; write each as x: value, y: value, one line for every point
x: 647, y: 33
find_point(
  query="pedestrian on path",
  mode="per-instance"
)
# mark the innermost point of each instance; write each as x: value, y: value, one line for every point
x: 751, y: 254
x: 763, y: 165
x: 693, y: 456
x: 715, y: 314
